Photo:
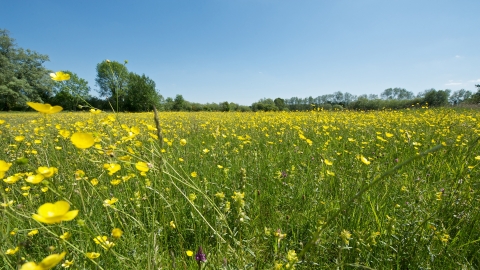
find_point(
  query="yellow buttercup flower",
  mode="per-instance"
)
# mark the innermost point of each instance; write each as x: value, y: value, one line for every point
x: 141, y: 166
x: 103, y: 242
x: 82, y: 140
x: 92, y: 255
x: 109, y: 202
x: 51, y: 213
x: 117, y: 233
x: 47, y: 172
x: 19, y: 138
x: 32, y: 233
x: 183, y: 142
x: 112, y: 168
x: 4, y: 166
x: 65, y: 236
x: 45, y: 108
x: 48, y: 263
x: 363, y: 159
x: 12, y: 251
x: 60, y: 76
x: 189, y: 253
x: 67, y: 264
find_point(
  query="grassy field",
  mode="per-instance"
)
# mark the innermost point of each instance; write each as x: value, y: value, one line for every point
x: 304, y: 190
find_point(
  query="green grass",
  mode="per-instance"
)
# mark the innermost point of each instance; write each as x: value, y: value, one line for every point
x: 415, y: 206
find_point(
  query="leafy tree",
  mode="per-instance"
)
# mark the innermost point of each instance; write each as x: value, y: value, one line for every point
x: 265, y: 104
x: 436, y: 98
x: 22, y: 75
x: 112, y: 78
x: 459, y: 96
x: 280, y: 103
x: 225, y: 106
x: 141, y: 94
x: 69, y: 94
x: 396, y: 93
x: 179, y: 103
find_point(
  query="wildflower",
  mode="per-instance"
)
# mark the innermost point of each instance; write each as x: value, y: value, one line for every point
x: 44, y: 108
x: 79, y: 174
x: 67, y: 264
x: 92, y: 255
x: 32, y: 233
x: 445, y: 237
x: 205, y: 151
x: 220, y: 195
x: 238, y: 197
x: 200, y: 256
x: 117, y: 233
x: 109, y: 202
x: 82, y: 140
x: 12, y: 251
x: 189, y: 253
x: 172, y: 225
x: 51, y: 213
x: 35, y: 179
x: 6, y: 204
x: 11, y: 179
x: 47, y: 172
x: 112, y: 168
x: 192, y: 197
x: 194, y: 174
x: 346, y: 236
x: 4, y: 166
x: 142, y: 166
x: 103, y: 242
x: 363, y: 159
x: 19, y: 138
x: 65, y: 236
x: 95, y: 111
x: 328, y: 162
x: 183, y: 142
x: 292, y: 257
x: 60, y: 76
x: 47, y: 263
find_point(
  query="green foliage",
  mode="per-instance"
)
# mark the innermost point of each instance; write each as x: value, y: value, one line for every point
x: 141, y: 94
x: 22, y: 75
x: 436, y: 98
x: 179, y: 103
x: 396, y: 93
x: 71, y: 93
x: 280, y: 103
x: 112, y: 78
x: 265, y: 104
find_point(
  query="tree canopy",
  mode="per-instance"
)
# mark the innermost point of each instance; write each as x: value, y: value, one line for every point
x: 112, y: 78
x: 22, y: 75
x: 141, y: 94
x: 71, y: 93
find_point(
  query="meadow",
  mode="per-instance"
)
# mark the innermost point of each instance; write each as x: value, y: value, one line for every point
x: 278, y: 190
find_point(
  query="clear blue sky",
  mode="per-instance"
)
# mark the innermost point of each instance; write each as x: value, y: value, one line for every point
x: 244, y: 50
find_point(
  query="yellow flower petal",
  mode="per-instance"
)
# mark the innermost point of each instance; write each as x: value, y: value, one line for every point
x: 60, y: 76
x: 44, y: 108
x: 82, y: 140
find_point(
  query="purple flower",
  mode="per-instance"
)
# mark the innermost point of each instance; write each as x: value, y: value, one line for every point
x: 200, y: 256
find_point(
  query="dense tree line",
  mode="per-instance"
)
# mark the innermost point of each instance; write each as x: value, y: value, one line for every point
x: 391, y: 98
x: 24, y: 78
